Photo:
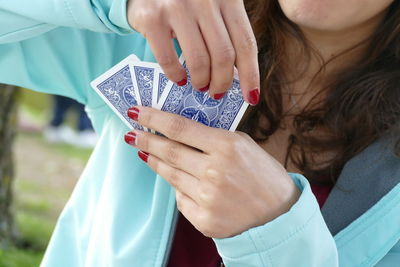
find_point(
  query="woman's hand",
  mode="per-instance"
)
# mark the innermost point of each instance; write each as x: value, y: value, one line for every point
x: 214, y: 36
x: 225, y: 183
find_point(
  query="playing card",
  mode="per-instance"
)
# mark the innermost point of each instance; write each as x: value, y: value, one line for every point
x: 160, y: 81
x: 115, y: 87
x: 190, y: 103
x: 143, y: 77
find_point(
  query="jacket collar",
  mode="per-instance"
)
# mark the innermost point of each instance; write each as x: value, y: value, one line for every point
x: 364, y: 180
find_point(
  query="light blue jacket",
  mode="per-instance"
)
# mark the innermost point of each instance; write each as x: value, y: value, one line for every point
x: 121, y: 213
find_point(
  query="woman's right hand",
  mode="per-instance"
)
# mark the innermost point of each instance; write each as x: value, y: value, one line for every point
x: 215, y: 36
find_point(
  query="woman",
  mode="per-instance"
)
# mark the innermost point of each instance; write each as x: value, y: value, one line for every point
x: 329, y: 86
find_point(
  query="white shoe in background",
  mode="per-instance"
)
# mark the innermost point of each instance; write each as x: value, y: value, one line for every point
x: 86, y: 139
x: 59, y: 135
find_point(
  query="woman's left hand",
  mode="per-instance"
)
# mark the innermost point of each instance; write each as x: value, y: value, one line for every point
x: 225, y: 182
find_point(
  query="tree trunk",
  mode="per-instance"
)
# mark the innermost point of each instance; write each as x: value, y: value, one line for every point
x: 7, y: 133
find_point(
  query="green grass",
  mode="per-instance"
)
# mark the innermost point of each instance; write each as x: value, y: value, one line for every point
x: 35, y: 233
x: 35, y: 205
x: 35, y: 229
x: 20, y: 258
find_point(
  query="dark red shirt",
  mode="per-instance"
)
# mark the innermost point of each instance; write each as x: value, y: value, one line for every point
x: 321, y: 192
x: 192, y: 248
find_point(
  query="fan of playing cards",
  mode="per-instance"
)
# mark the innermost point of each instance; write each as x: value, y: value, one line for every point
x: 133, y: 82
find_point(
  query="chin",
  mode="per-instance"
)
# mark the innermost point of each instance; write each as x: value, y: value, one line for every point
x: 332, y: 15
x: 314, y: 14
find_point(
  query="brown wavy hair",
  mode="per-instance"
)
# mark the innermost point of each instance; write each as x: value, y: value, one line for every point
x: 361, y: 103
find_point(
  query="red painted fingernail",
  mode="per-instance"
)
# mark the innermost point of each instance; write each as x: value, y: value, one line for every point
x: 254, y: 97
x: 130, y: 138
x: 133, y: 113
x: 143, y: 155
x: 183, y: 82
x: 219, y: 96
x: 204, y: 88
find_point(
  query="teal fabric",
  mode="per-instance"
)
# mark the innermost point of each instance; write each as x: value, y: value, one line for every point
x: 369, y: 238
x: 121, y: 213
x: 95, y: 15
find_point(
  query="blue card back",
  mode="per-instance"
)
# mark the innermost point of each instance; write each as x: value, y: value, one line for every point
x: 144, y: 80
x: 116, y: 88
x: 190, y: 103
x: 162, y: 83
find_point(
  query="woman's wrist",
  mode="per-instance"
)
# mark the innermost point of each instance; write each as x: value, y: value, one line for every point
x: 286, y: 195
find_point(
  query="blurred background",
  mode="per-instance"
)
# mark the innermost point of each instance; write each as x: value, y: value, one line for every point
x: 44, y: 145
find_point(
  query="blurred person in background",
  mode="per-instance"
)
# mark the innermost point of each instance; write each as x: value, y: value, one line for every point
x: 58, y: 132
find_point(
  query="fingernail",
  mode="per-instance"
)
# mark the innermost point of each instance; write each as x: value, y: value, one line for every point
x: 204, y: 88
x: 130, y: 138
x: 182, y: 83
x: 218, y: 96
x: 254, y: 97
x: 133, y: 113
x: 143, y: 155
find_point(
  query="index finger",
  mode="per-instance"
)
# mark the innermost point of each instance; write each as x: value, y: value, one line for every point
x: 177, y: 128
x: 245, y: 45
x: 163, y: 49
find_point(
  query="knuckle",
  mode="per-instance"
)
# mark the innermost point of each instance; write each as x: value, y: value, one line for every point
x: 226, y: 55
x: 172, y: 153
x: 208, y: 3
x: 237, y: 143
x: 244, y: 135
x: 144, y: 19
x: 215, y: 176
x: 205, y: 196
x: 137, y: 21
x: 205, y: 4
x: 174, y: 179
x: 152, y: 18
x: 166, y: 60
x: 228, y: 141
x: 175, y: 6
x: 198, y: 61
x: 233, y: 144
x: 248, y: 44
x: 176, y: 127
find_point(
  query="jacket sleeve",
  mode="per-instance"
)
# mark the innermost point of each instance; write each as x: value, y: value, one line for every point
x: 299, y: 237
x: 64, y: 61
x: 24, y: 19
